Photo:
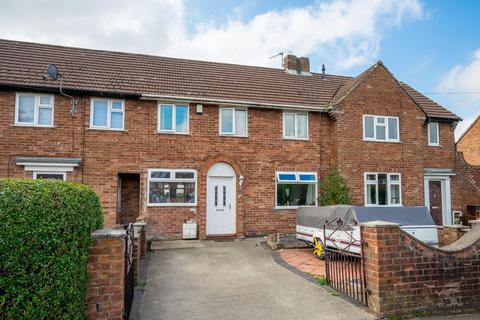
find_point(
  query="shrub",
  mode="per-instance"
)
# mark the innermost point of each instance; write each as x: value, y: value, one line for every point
x: 333, y: 189
x: 45, y: 234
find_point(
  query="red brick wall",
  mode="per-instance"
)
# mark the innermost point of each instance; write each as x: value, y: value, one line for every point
x: 105, y: 154
x: 379, y: 94
x: 399, y: 269
x: 470, y: 144
x: 465, y: 187
x: 106, y: 279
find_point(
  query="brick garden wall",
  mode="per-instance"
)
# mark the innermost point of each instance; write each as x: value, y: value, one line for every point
x: 106, y: 271
x: 406, y: 277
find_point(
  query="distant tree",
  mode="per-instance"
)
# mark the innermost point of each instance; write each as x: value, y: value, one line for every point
x: 333, y: 189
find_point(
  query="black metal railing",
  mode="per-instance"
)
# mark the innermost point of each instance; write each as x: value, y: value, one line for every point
x: 345, y: 273
x: 129, y: 271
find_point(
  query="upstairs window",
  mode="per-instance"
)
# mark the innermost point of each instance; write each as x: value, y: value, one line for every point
x: 295, y: 189
x: 107, y: 114
x: 295, y: 125
x: 433, y: 134
x: 233, y: 122
x: 380, y: 128
x: 383, y: 189
x: 34, y: 110
x: 168, y: 187
x: 173, y: 118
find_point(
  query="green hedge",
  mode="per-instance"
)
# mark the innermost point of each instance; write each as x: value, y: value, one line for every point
x: 45, y: 234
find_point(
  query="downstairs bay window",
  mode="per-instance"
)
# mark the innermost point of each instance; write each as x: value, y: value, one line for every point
x: 383, y: 189
x: 295, y: 189
x: 167, y: 187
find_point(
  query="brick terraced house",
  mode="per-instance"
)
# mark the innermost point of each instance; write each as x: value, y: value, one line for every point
x: 236, y: 148
x: 468, y: 170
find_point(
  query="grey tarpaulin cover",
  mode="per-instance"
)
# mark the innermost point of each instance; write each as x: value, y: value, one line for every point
x: 317, y: 217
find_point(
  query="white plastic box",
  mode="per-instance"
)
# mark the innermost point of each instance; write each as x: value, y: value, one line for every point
x: 190, y: 230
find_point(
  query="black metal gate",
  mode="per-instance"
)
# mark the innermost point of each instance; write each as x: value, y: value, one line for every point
x: 129, y: 277
x: 344, y: 269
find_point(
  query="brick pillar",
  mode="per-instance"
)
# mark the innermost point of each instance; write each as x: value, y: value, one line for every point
x: 106, y: 275
x: 141, y: 228
x: 381, y: 249
x: 138, y: 245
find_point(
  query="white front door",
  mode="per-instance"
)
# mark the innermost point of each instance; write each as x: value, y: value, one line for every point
x: 220, y: 205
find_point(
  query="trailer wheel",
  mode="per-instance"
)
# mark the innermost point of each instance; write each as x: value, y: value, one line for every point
x: 318, y: 248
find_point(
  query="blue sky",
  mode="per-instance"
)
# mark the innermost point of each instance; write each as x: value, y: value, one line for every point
x: 434, y: 45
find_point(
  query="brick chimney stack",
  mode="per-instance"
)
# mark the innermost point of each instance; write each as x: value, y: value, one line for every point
x: 295, y: 65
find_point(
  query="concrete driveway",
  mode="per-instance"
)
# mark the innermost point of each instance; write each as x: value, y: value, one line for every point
x: 234, y: 280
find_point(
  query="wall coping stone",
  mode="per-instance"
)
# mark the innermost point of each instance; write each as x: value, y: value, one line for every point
x: 379, y: 224
x: 109, y: 234
x: 139, y: 224
x: 473, y: 221
x: 456, y: 226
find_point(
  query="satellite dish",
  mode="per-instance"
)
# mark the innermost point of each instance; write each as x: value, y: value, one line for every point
x: 52, y: 71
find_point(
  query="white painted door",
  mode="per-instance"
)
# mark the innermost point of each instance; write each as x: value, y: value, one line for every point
x: 220, y: 205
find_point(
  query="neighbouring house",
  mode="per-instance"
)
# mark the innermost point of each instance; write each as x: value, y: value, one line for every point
x: 236, y: 148
x: 468, y: 170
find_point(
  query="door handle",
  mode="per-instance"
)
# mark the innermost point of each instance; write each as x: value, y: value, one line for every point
x: 229, y: 206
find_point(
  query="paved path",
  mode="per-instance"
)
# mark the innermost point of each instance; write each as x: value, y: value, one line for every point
x: 304, y: 260
x: 234, y: 280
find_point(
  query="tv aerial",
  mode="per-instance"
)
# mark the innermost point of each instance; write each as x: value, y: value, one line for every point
x: 53, y: 74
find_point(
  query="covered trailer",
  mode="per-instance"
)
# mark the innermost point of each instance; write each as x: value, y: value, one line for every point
x: 342, y: 228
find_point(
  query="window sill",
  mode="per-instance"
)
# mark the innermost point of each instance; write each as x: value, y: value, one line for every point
x: 434, y: 145
x: 384, y: 206
x: 32, y: 126
x: 173, y: 133
x: 383, y: 141
x: 290, y: 208
x: 171, y: 204
x: 231, y: 135
x: 107, y: 129
x: 296, y: 139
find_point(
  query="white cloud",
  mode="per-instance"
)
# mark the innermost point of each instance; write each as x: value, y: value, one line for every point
x: 463, y: 84
x: 343, y: 33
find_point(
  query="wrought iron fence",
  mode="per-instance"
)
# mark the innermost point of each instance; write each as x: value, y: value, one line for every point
x: 129, y: 277
x: 344, y: 269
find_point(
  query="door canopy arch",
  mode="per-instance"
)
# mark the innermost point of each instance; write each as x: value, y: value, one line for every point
x: 221, y: 169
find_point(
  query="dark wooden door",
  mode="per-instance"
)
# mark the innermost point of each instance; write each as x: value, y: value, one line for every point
x: 435, y: 188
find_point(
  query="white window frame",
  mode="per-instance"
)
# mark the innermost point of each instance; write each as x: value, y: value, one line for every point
x: 430, y: 143
x: 296, y: 114
x: 64, y: 174
x: 174, y: 118
x: 232, y: 134
x: 109, y: 114
x: 36, y: 108
x: 172, y: 179
x: 375, y: 124
x: 297, y: 181
x: 389, y: 183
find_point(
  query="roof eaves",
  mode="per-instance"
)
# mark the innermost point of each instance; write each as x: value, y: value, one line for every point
x: 319, y: 108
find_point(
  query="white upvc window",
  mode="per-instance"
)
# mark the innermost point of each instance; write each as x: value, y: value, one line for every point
x: 293, y: 189
x: 172, y: 187
x: 383, y: 189
x: 34, y: 110
x: 295, y: 125
x: 50, y: 175
x: 433, y: 134
x: 381, y: 128
x: 173, y: 118
x: 233, y: 122
x: 107, y: 114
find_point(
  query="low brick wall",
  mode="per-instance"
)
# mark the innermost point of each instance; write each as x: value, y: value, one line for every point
x: 449, y: 234
x: 407, y: 277
x: 106, y: 271
x: 106, y: 275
